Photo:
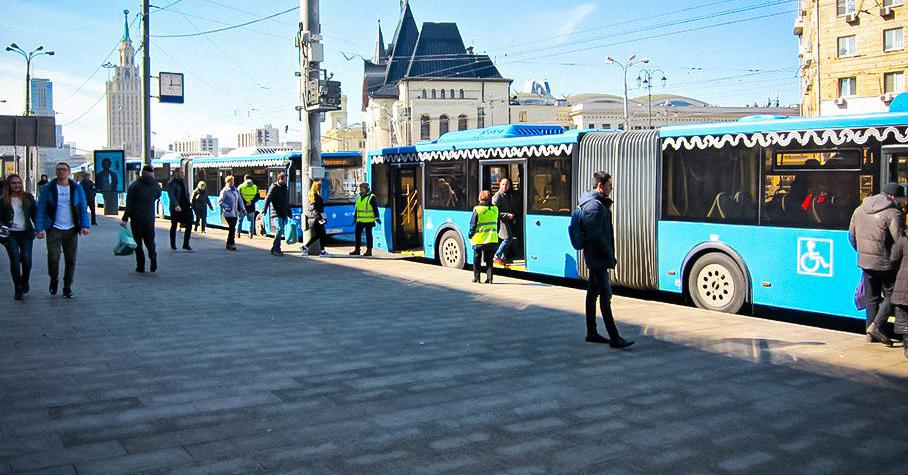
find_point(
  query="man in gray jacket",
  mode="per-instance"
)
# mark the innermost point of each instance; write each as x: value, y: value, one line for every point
x: 875, y: 226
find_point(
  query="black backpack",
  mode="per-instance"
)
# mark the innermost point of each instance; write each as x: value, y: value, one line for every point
x: 575, y: 229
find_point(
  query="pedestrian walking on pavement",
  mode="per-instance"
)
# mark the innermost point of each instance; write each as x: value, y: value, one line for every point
x: 249, y: 192
x: 484, y: 235
x: 502, y: 200
x: 180, y: 209
x: 40, y: 185
x: 316, y: 220
x: 200, y: 206
x: 278, y: 199
x: 232, y: 208
x: 140, y: 214
x: 595, y: 209
x: 365, y: 217
x: 875, y: 225
x: 900, y: 289
x: 18, y: 211
x: 91, y: 192
x: 62, y: 216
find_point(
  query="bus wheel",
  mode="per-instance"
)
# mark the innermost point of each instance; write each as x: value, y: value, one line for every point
x: 716, y: 283
x: 450, y: 250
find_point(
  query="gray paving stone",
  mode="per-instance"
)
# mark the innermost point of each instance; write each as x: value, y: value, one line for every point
x: 64, y: 456
x: 159, y: 459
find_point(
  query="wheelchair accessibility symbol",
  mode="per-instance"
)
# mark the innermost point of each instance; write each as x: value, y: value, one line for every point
x: 815, y: 257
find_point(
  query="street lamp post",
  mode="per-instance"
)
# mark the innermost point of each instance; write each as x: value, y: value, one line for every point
x: 646, y: 78
x: 39, y: 51
x: 631, y: 62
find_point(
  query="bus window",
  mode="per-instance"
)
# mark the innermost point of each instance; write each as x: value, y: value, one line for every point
x: 550, y: 185
x: 380, y: 183
x: 812, y: 188
x: 713, y: 185
x: 447, y: 185
x: 342, y: 183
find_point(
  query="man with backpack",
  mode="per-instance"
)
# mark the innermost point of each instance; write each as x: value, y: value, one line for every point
x: 591, y: 230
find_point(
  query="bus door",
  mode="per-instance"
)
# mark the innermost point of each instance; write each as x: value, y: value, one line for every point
x: 514, y: 170
x: 406, y: 185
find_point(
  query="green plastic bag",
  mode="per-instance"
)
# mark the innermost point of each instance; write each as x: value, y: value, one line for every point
x: 291, y: 232
x: 126, y: 245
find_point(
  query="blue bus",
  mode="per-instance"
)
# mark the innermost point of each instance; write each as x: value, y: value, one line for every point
x: 752, y: 212
x: 343, y: 171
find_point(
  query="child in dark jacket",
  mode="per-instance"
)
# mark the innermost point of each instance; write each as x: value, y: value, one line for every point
x: 900, y: 292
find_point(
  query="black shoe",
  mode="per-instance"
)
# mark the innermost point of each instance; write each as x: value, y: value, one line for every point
x: 25, y: 288
x: 275, y: 252
x: 53, y: 287
x: 355, y: 252
x: 368, y: 253
x: 619, y: 342
x: 68, y: 293
x: 475, y: 280
x: 140, y: 270
x: 187, y: 248
x: 596, y: 338
x: 488, y: 280
x: 876, y: 334
x: 18, y: 294
x: 154, y: 265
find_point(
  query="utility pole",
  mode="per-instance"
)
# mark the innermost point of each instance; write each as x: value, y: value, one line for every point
x: 310, y: 45
x: 30, y: 163
x: 146, y: 87
x: 645, y: 78
x: 625, y: 67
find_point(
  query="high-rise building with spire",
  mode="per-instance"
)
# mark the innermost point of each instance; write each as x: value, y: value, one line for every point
x: 124, y: 99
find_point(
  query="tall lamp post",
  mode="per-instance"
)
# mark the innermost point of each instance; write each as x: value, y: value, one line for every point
x: 645, y: 78
x: 631, y: 62
x: 39, y: 51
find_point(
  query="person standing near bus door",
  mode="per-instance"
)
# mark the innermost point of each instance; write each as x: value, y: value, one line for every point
x: 484, y: 235
x: 278, y: 198
x: 141, y: 197
x: 599, y: 254
x: 232, y: 208
x: 316, y: 220
x: 91, y: 192
x: 250, y: 194
x: 900, y: 289
x: 200, y: 206
x: 365, y: 217
x: 180, y: 209
x: 502, y: 201
x: 875, y: 226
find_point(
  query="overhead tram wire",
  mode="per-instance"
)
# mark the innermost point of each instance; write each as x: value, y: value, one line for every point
x: 226, y: 28
x: 86, y: 111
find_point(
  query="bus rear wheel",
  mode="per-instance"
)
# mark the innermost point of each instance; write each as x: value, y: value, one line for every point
x: 717, y: 283
x: 451, y: 250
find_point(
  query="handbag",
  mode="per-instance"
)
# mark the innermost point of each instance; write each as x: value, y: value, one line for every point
x: 860, y: 295
x: 291, y: 232
x: 126, y: 244
x: 4, y: 235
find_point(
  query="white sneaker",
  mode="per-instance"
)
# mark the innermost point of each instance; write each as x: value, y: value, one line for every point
x: 304, y: 252
x: 324, y: 253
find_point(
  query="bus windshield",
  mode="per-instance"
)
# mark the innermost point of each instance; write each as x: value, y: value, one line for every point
x: 341, y: 183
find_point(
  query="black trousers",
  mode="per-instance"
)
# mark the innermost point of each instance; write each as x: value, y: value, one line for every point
x: 93, y: 208
x: 200, y: 219
x: 878, y: 287
x: 317, y: 230
x: 484, y: 254
x: 600, y: 288
x: 143, y: 233
x: 177, y: 218
x: 367, y: 227
x: 231, y: 230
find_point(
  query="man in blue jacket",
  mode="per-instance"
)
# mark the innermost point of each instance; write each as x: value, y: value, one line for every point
x: 62, y: 216
x: 599, y: 255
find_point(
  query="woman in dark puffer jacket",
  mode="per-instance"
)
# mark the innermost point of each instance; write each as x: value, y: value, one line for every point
x: 900, y: 292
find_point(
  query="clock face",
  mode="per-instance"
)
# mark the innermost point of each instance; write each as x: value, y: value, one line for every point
x: 171, y: 84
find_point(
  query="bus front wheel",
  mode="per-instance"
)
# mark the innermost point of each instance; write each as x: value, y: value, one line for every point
x: 451, y: 250
x: 717, y: 283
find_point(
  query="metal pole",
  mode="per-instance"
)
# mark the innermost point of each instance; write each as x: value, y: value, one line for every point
x: 146, y: 87
x: 626, y: 120
x: 28, y: 155
x: 311, y: 30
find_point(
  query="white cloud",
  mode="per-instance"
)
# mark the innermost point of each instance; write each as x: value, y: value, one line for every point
x: 575, y: 17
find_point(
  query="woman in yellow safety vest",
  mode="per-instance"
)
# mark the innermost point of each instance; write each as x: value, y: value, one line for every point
x: 484, y: 235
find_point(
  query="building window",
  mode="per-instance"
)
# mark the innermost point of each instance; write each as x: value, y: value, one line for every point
x: 424, y: 94
x: 442, y: 93
x: 425, y: 124
x: 892, y: 3
x: 443, y: 125
x: 452, y: 93
x: 847, y: 46
x: 433, y: 93
x: 846, y: 7
x: 893, y: 40
x: 848, y: 87
x: 462, y: 122
x: 893, y: 83
x: 461, y: 93
x: 480, y: 117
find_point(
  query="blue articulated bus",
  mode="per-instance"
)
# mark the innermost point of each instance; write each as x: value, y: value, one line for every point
x: 343, y: 171
x: 748, y: 212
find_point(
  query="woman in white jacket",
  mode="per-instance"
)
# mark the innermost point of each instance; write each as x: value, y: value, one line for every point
x: 232, y: 209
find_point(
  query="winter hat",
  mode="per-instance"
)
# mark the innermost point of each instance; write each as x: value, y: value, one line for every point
x: 894, y: 189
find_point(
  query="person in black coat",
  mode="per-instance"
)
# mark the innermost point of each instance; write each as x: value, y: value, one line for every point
x: 180, y: 209
x: 140, y: 210
x: 316, y: 219
x: 899, y: 258
x: 200, y: 206
x: 599, y: 254
x: 278, y: 198
x: 91, y: 192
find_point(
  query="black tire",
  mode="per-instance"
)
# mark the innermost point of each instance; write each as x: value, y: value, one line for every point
x: 451, y: 251
x: 716, y: 282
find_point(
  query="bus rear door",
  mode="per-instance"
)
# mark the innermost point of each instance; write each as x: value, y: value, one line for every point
x: 490, y: 179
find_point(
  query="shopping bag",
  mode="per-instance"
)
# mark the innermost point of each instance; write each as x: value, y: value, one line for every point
x: 860, y: 296
x: 291, y: 232
x: 126, y: 245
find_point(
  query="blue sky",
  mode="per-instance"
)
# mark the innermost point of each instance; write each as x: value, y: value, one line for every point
x: 244, y: 77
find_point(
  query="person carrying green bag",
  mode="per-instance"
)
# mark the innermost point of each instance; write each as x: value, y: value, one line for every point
x: 140, y: 209
x: 291, y: 232
x: 126, y: 245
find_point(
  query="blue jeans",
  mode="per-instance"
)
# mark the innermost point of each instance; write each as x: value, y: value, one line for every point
x: 502, y: 248
x: 19, y: 249
x: 279, y: 233
x: 248, y: 217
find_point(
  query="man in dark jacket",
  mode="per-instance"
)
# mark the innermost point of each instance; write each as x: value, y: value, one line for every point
x: 279, y: 199
x: 507, y: 216
x: 875, y: 226
x: 180, y: 209
x: 599, y: 254
x: 140, y: 209
x: 91, y: 192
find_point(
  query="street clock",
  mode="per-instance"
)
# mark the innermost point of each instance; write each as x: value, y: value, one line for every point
x: 170, y: 87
